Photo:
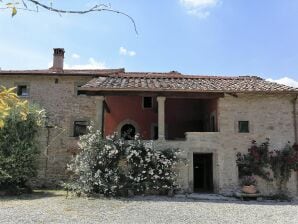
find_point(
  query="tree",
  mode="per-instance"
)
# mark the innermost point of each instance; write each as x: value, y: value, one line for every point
x: 19, y: 149
x: 8, y: 101
x: 34, y: 6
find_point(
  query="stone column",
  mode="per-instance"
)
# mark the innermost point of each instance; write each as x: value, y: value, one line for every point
x: 99, y: 113
x: 161, y: 117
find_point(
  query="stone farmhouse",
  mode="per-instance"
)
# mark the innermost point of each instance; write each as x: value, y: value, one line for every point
x: 210, y: 118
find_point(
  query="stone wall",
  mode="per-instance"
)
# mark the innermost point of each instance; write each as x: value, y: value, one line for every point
x: 270, y: 116
x: 57, y: 95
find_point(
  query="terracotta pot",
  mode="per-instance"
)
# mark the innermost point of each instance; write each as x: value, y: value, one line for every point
x: 251, y: 189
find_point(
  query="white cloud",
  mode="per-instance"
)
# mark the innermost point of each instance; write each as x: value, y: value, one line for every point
x: 285, y: 81
x: 92, y: 64
x: 199, y: 8
x: 123, y: 51
x: 75, y: 56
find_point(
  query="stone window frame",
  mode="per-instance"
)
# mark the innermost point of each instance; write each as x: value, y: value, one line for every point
x: 246, y: 128
x: 76, y: 86
x: 27, y: 84
x: 72, y: 125
x: 250, y: 125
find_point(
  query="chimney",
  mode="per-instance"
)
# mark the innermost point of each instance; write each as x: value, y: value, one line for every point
x: 58, y: 59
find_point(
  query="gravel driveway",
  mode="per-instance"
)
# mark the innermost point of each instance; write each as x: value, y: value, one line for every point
x: 55, y: 208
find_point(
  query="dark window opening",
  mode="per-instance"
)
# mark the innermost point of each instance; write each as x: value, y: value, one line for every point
x: 212, y: 123
x: 147, y: 102
x: 22, y: 90
x: 80, y: 128
x: 80, y: 93
x: 243, y: 127
x: 155, y: 132
x: 128, y: 132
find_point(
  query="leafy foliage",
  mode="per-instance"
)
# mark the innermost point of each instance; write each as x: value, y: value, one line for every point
x: 256, y: 161
x: 248, y: 180
x: 259, y: 160
x: 282, y: 163
x: 18, y: 146
x: 111, y: 166
x: 8, y: 101
x: 150, y: 169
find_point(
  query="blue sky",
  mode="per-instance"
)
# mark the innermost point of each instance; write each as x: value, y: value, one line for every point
x: 203, y: 37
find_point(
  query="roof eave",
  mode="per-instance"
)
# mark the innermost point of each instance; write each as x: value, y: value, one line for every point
x: 94, y: 89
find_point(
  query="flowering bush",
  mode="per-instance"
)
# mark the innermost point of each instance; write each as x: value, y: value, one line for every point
x: 150, y: 169
x: 111, y: 166
x: 259, y: 160
x: 248, y: 180
x: 256, y: 161
x: 95, y: 169
x: 282, y: 163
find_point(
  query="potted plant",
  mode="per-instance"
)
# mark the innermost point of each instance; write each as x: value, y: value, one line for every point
x: 248, y: 184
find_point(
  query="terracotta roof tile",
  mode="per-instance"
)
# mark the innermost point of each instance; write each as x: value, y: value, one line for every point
x: 177, y: 82
x: 67, y: 72
x: 118, y: 79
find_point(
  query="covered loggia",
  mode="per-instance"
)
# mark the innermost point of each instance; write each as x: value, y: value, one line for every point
x: 189, y: 115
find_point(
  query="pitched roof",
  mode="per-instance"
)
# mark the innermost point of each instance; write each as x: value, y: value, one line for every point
x: 174, y: 81
x: 64, y: 72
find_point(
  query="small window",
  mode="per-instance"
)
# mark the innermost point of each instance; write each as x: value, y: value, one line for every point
x: 243, y: 126
x: 212, y: 123
x: 147, y: 102
x: 22, y: 90
x: 76, y: 89
x: 155, y: 132
x: 78, y: 92
x: 80, y: 128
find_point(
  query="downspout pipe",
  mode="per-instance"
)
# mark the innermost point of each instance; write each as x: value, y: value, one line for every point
x: 295, y: 118
x: 296, y: 134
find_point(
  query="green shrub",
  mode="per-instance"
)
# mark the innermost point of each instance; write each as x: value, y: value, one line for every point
x: 18, y: 148
x: 111, y: 166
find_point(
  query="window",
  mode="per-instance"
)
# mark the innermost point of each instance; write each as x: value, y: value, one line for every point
x: 155, y: 132
x: 80, y: 128
x: 128, y: 132
x: 243, y: 126
x: 76, y: 89
x: 212, y: 123
x: 22, y: 90
x: 147, y: 102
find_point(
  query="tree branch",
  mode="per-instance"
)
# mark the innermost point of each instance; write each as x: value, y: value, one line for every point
x: 96, y: 8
